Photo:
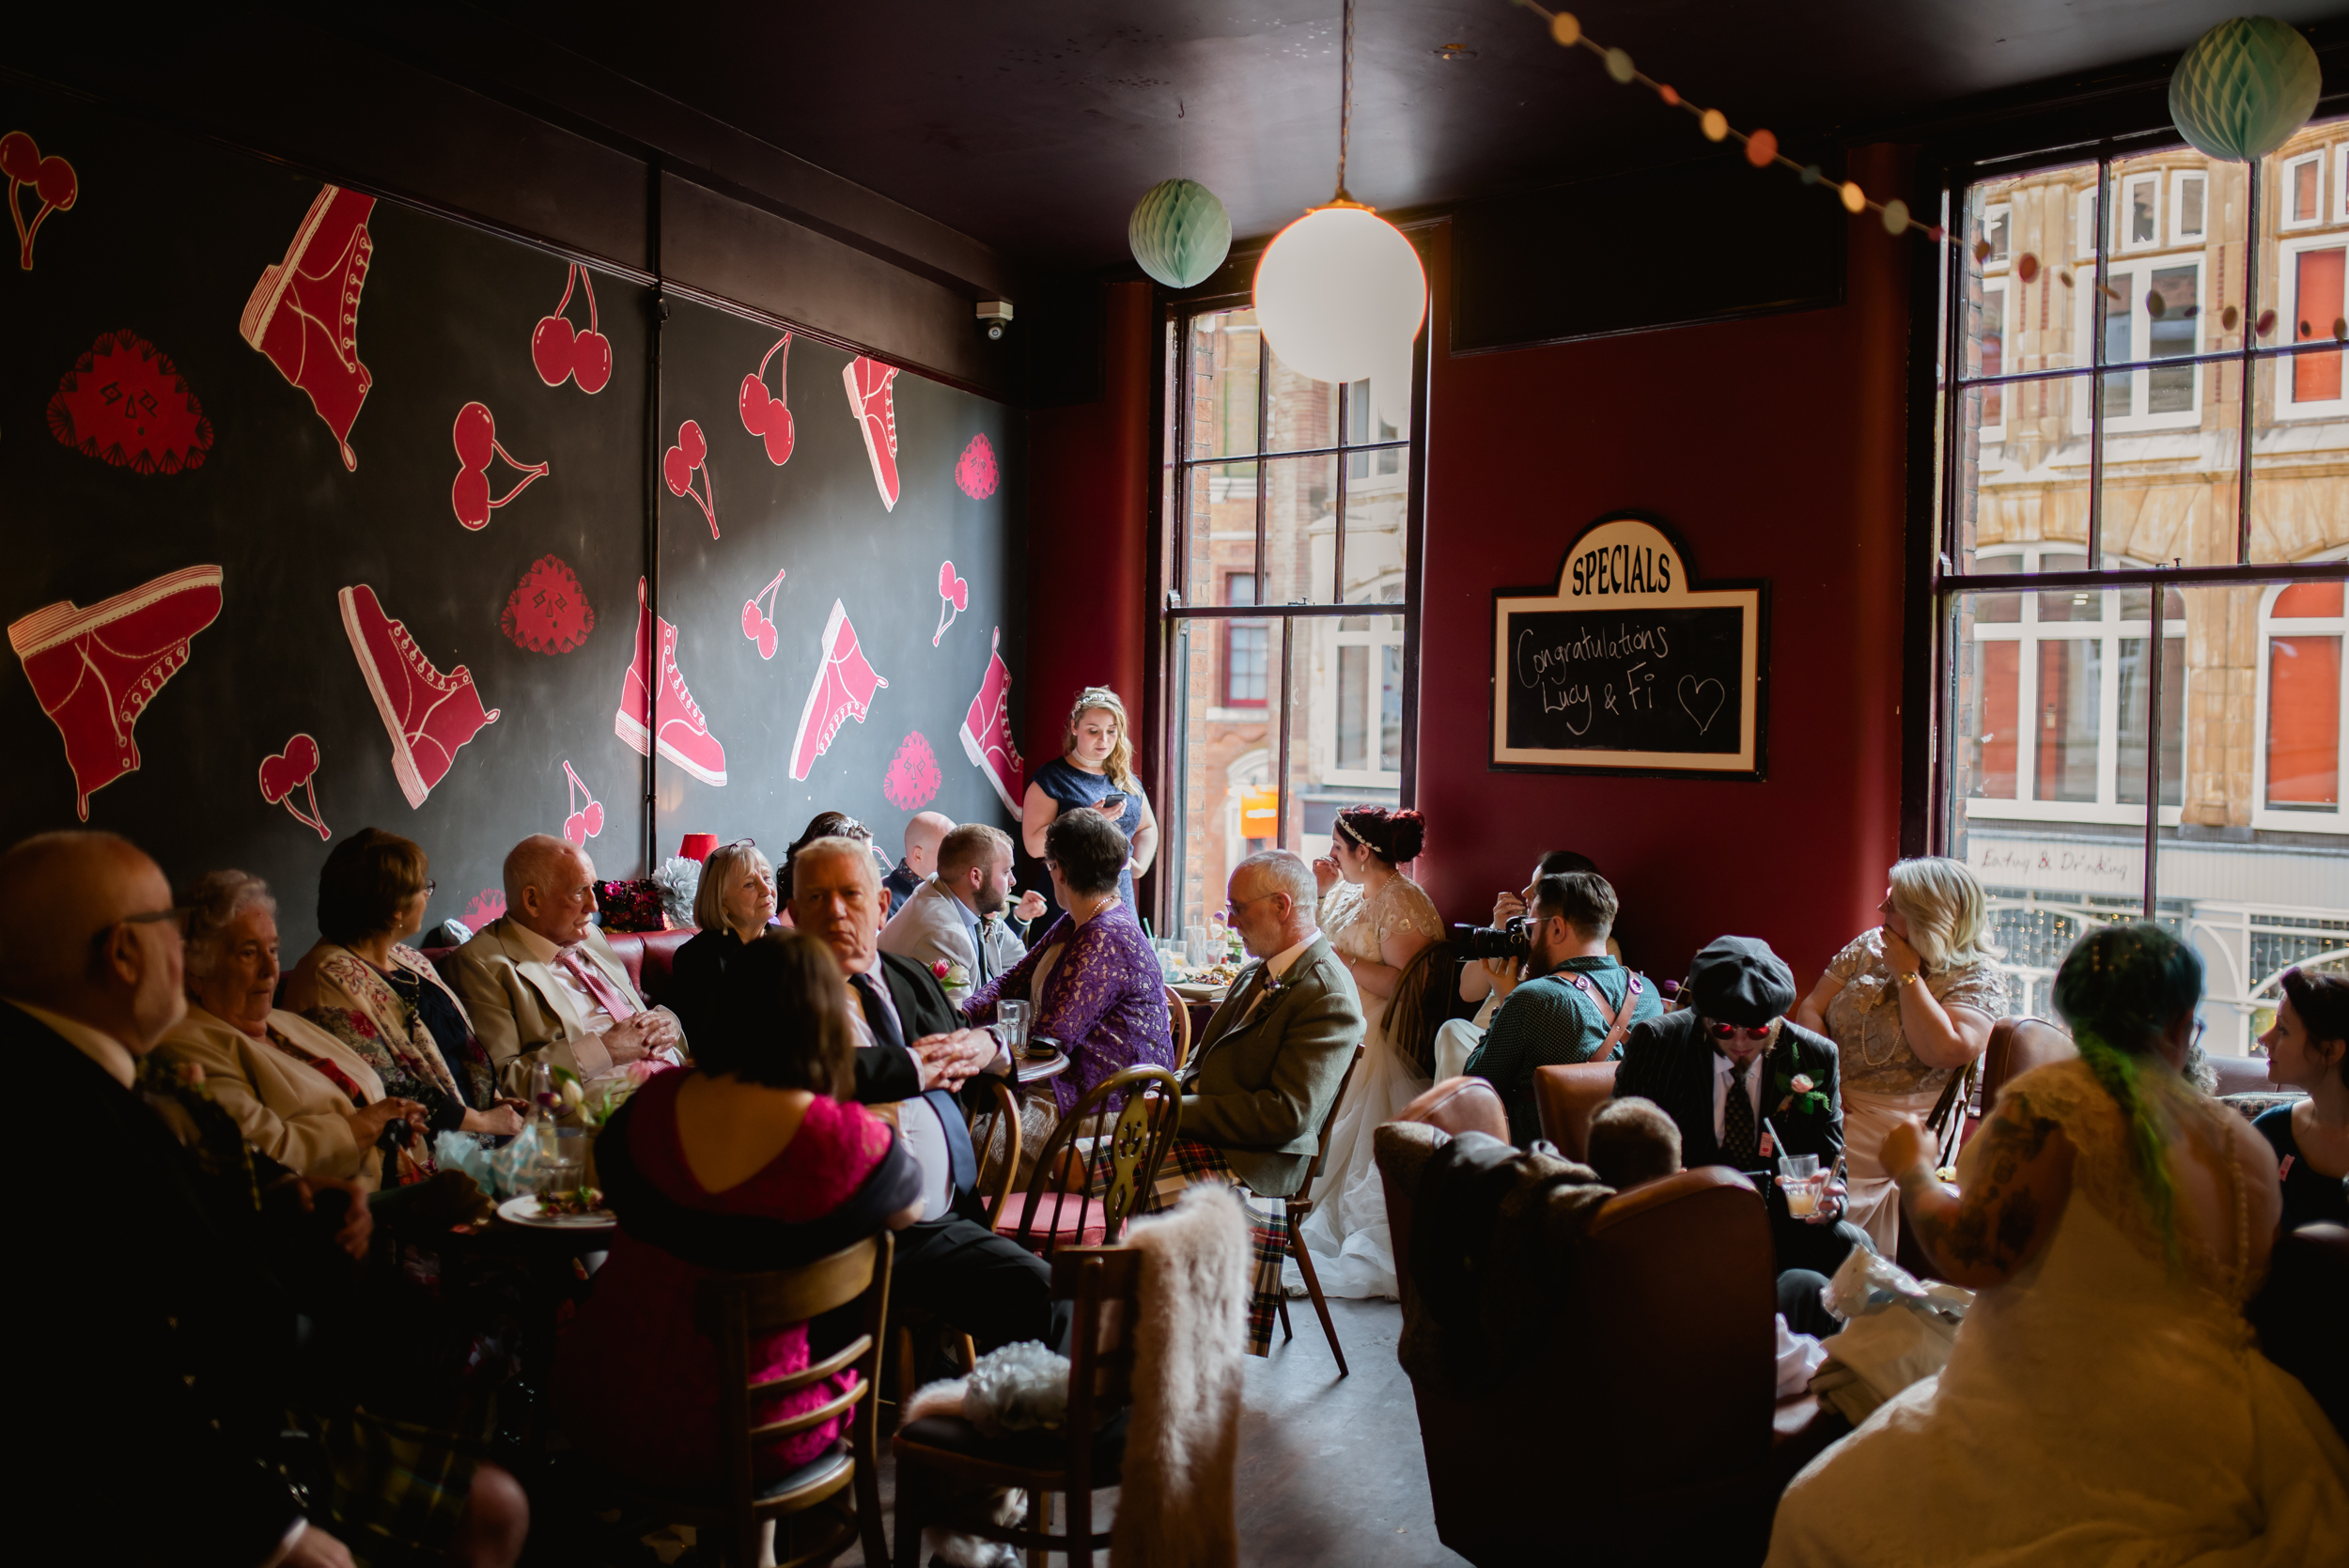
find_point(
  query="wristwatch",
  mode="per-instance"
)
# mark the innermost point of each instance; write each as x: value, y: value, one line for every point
x: 1906, y: 981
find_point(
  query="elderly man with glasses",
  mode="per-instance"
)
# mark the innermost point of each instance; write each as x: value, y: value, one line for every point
x: 1747, y: 1085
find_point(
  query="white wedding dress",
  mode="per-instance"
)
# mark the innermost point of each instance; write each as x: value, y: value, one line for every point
x: 2099, y: 1408
x: 1346, y: 1232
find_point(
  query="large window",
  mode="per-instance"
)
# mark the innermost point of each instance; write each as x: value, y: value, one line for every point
x: 1288, y: 618
x: 2145, y: 499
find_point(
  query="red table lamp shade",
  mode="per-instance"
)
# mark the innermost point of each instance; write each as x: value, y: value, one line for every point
x: 698, y: 846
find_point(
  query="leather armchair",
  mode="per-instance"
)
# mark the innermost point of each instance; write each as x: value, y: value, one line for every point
x: 1566, y: 1099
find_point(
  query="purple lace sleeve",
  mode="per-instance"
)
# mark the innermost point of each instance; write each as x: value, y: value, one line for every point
x: 1106, y: 1003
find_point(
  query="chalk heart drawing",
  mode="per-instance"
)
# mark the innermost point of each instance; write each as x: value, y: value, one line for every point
x: 1693, y: 701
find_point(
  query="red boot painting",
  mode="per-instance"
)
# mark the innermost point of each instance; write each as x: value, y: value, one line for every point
x: 428, y: 715
x: 475, y: 438
x: 843, y: 691
x: 96, y: 670
x: 304, y: 312
x: 764, y: 414
x: 125, y: 403
x: 52, y: 180
x: 987, y: 731
x: 295, y: 767
x: 677, y: 728
x: 564, y: 353
x: 875, y: 410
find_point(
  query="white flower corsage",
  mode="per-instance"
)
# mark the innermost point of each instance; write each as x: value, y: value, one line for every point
x: 950, y: 974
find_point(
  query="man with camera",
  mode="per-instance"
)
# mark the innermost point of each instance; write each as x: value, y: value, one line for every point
x: 1577, y: 1003
x: 1497, y: 964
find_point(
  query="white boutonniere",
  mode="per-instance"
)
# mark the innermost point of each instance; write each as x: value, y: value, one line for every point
x: 950, y: 975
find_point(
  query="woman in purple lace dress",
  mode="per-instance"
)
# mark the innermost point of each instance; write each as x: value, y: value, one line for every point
x: 1093, y: 978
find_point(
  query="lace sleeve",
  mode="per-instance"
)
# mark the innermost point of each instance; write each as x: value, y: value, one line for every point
x: 1408, y: 908
x: 1854, y: 960
x: 1981, y: 986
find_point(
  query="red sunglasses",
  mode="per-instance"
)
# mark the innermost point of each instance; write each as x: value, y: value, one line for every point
x: 1735, y: 1032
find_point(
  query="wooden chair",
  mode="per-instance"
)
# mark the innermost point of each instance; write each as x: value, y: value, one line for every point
x: 733, y: 1309
x: 1178, y: 1016
x: 1566, y: 1098
x: 1085, y: 1195
x: 1302, y: 1205
x: 1085, y: 1454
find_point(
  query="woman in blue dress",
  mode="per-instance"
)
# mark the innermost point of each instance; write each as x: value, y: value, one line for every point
x: 1096, y: 772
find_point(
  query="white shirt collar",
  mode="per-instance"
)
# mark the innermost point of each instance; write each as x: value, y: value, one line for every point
x: 1280, y: 963
x: 537, y: 946
x: 95, y: 1043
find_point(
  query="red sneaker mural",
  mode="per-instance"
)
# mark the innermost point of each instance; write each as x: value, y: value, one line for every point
x: 586, y: 822
x: 304, y: 312
x: 124, y: 401
x: 975, y: 474
x: 562, y: 353
x: 759, y: 623
x: 912, y: 777
x: 843, y: 691
x: 955, y: 592
x: 987, y: 731
x: 764, y: 416
x: 548, y: 611
x: 428, y: 715
x: 52, y: 178
x: 875, y: 410
x: 678, y: 729
x: 295, y: 767
x: 678, y: 465
x: 475, y: 437
x: 96, y: 670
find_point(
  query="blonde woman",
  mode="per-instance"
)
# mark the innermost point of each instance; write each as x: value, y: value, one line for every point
x: 1094, y: 771
x: 1907, y: 1004
x: 732, y: 906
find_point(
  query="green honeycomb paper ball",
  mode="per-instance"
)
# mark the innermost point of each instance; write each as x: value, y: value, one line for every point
x: 2245, y: 88
x: 1179, y: 232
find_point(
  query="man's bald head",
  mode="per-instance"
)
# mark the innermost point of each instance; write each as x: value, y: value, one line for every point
x: 1274, y: 901
x: 924, y: 835
x: 65, y: 899
x: 550, y: 888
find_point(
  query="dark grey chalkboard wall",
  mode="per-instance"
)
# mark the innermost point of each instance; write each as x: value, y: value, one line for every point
x: 165, y: 241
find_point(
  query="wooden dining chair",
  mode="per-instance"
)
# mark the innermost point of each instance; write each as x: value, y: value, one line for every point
x: 1084, y: 1454
x: 1086, y: 1188
x: 1178, y: 1019
x: 1302, y: 1205
x: 735, y: 1309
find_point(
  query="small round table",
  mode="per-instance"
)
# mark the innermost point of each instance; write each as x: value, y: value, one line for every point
x: 1036, y: 1069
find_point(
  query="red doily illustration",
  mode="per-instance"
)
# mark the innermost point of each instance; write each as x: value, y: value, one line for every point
x: 548, y: 611
x: 974, y: 474
x: 488, y: 904
x: 912, y: 779
x: 126, y: 402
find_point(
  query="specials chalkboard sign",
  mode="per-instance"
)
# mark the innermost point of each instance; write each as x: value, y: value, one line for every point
x: 1629, y: 665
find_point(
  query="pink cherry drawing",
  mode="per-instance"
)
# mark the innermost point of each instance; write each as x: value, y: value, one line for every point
x: 753, y: 618
x: 295, y: 767
x: 946, y: 579
x: 756, y: 625
x: 586, y: 822
x: 766, y: 637
x: 676, y: 471
x: 688, y: 436
x: 955, y: 593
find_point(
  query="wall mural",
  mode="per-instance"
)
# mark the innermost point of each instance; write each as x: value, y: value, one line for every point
x: 213, y: 413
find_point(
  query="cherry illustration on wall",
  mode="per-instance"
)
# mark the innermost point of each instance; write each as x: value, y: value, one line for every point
x: 586, y: 822
x: 758, y: 621
x: 295, y: 767
x: 955, y: 595
x: 562, y: 353
x: 681, y: 463
x: 125, y: 403
x: 475, y: 438
x: 548, y: 611
x: 52, y: 180
x: 765, y: 416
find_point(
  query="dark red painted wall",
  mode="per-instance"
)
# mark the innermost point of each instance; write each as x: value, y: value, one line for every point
x: 1088, y: 537
x: 1775, y: 448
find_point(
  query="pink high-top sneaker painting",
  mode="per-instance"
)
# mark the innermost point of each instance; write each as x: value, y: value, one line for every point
x: 428, y: 715
x: 843, y: 690
x: 304, y: 312
x: 987, y: 731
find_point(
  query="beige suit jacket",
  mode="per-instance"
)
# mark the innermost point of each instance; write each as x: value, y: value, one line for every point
x: 524, y: 1013
x: 291, y: 1112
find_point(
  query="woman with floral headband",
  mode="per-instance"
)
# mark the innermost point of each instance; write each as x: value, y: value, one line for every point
x: 1095, y: 772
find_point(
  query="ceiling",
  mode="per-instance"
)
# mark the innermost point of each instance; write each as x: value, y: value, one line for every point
x: 1033, y: 127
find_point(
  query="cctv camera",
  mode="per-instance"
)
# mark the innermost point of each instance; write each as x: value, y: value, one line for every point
x: 996, y: 315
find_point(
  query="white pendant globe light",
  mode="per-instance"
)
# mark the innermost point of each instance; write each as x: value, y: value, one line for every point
x: 1340, y: 292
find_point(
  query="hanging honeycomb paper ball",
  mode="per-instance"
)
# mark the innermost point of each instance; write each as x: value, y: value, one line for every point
x: 2244, y: 89
x: 1179, y: 232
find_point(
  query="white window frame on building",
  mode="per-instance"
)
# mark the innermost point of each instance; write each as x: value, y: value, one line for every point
x: 2134, y: 278
x: 2130, y: 239
x: 2288, y: 252
x: 2287, y: 214
x: 2179, y: 233
x: 1378, y: 635
x: 2291, y: 819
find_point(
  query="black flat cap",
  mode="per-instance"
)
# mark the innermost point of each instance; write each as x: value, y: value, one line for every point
x: 1739, y: 980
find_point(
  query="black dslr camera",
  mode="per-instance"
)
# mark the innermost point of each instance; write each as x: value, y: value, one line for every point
x: 1513, y: 938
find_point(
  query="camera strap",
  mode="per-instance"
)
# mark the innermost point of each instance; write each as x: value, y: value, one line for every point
x: 1618, y: 1020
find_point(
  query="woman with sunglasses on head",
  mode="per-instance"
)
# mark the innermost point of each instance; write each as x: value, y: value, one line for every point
x: 732, y: 906
x: 1910, y: 1006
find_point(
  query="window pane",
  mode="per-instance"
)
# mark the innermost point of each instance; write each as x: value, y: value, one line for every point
x: 1222, y: 512
x: 1989, y: 728
x: 1390, y: 705
x: 1338, y: 752
x: 1353, y: 716
x: 2022, y: 484
x: 1300, y: 529
x: 1301, y: 415
x: 2191, y: 189
x: 2300, y: 430
x: 2067, y: 604
x: 2070, y: 695
x: 2302, y: 732
x: 2020, y: 240
x: 1226, y: 350
x: 2129, y: 782
x: 1377, y: 511
x: 1225, y: 758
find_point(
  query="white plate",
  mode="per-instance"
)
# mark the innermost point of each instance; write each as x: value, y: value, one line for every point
x: 1193, y: 990
x: 524, y: 1211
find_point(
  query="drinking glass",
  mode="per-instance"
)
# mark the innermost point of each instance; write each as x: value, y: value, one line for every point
x: 1799, y: 1175
x: 1011, y: 1022
x: 564, y: 1168
x: 1195, y: 946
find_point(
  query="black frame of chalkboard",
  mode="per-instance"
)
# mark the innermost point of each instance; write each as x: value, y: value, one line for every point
x: 1760, y: 586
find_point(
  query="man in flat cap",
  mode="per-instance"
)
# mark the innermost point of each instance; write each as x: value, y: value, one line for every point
x: 1745, y: 1084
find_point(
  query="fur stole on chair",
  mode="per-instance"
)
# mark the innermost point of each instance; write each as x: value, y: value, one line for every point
x: 1175, y: 1508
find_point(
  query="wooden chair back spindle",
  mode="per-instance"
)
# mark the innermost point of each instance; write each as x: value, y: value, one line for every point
x: 1112, y: 1176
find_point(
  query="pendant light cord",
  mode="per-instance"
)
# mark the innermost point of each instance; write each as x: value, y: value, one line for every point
x: 1346, y: 100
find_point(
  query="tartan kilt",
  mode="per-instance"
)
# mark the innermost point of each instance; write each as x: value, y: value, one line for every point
x: 400, y: 1487
x: 1189, y: 1162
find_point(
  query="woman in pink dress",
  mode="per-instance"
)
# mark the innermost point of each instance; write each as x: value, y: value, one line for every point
x: 753, y: 1159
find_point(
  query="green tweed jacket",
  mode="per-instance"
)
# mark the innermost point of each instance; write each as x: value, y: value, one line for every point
x: 1259, y: 1085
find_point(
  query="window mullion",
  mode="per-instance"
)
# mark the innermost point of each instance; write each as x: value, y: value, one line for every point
x: 2096, y: 303
x: 2250, y: 362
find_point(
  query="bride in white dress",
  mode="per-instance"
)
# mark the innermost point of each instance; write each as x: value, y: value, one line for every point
x: 2105, y: 1401
x: 1378, y: 921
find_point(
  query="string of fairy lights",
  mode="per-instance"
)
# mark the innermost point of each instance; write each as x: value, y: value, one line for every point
x: 1761, y: 146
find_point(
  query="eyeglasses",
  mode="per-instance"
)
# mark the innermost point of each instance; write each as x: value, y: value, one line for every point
x: 1739, y: 1032
x: 175, y: 914
x: 738, y: 844
x: 1236, y: 904
x: 430, y: 887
